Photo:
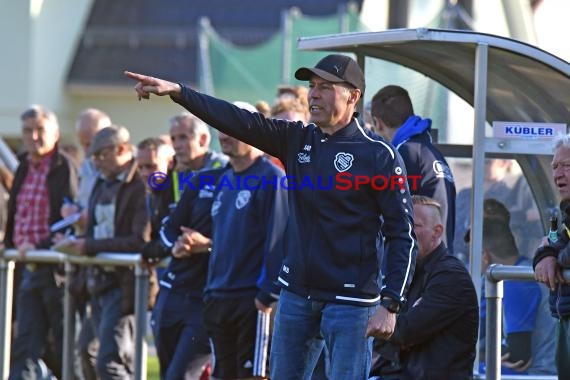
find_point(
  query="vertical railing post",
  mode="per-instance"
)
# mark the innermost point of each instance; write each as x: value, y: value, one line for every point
x: 6, y: 295
x: 68, y: 325
x: 477, y: 194
x: 493, y: 327
x: 141, y: 304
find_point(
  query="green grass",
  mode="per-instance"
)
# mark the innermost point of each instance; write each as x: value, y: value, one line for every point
x: 152, y: 370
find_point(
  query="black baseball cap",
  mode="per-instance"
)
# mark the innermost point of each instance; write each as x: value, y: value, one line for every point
x: 335, y: 68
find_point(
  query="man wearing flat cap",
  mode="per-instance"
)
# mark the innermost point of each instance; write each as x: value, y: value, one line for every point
x: 330, y: 277
x: 117, y: 221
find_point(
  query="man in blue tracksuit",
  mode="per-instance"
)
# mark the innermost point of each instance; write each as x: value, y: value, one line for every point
x: 428, y: 171
x: 249, y: 215
x: 339, y: 223
x: 180, y: 337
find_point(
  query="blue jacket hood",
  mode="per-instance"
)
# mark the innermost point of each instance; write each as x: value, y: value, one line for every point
x: 414, y: 125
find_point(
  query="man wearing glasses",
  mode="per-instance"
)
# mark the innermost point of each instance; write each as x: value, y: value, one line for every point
x: 117, y: 221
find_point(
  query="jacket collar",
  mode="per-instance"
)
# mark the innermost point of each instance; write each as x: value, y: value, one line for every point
x: 55, y: 156
x: 126, y: 176
x: 428, y: 263
x: 349, y: 130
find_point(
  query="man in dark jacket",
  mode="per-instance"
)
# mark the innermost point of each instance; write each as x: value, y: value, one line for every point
x: 436, y: 337
x: 330, y: 276
x: 248, y: 221
x: 43, y: 180
x: 154, y: 158
x: 6, y: 178
x: 117, y: 222
x: 191, y: 138
x: 87, y: 124
x: 180, y: 337
x: 182, y: 345
x: 428, y: 171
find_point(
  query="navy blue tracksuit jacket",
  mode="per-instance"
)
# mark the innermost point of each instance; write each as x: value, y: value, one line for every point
x: 435, y: 180
x: 249, y: 215
x: 337, y: 231
x: 188, y: 275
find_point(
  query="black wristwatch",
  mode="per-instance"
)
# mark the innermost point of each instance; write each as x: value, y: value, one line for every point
x: 390, y: 304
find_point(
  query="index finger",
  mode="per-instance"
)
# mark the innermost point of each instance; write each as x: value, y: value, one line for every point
x: 552, y: 279
x: 135, y: 76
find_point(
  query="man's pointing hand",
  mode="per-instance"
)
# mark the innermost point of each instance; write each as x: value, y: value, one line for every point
x: 150, y: 85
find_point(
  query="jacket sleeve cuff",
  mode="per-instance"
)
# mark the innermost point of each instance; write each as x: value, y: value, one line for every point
x: 265, y: 298
x: 541, y: 253
x: 178, y: 97
x: 393, y: 295
x: 155, y: 251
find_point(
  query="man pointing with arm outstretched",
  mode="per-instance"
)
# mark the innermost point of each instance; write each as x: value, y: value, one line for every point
x: 330, y: 276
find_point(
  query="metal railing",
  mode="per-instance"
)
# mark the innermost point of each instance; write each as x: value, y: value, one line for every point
x: 46, y: 256
x: 494, y: 278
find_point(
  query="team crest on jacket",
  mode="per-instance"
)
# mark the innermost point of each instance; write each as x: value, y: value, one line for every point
x: 442, y: 170
x: 242, y: 199
x: 216, y: 204
x: 343, y: 161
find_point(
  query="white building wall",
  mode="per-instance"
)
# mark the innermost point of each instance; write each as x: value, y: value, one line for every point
x: 15, y: 35
x: 37, y: 40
